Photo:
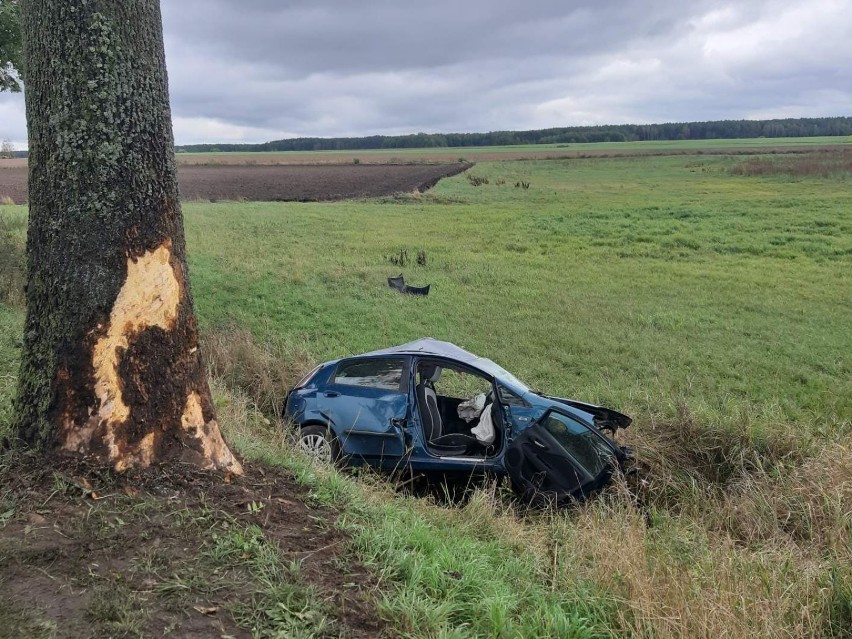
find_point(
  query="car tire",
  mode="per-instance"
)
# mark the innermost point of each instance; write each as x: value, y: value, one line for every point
x: 319, y: 443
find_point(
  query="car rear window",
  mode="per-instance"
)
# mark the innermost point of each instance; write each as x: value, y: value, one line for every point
x: 371, y: 373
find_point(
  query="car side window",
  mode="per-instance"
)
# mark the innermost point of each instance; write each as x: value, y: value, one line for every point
x: 385, y: 374
x: 584, y: 445
x: 509, y: 398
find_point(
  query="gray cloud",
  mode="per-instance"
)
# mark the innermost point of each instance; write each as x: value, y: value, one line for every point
x: 254, y: 70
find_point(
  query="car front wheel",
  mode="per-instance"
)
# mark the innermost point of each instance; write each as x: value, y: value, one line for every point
x: 317, y: 442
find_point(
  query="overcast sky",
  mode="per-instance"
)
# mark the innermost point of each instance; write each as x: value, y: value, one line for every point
x: 257, y: 70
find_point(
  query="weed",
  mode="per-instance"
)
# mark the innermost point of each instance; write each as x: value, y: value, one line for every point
x: 402, y: 258
x: 254, y: 507
x: 398, y: 259
x: 283, y: 606
x: 7, y: 512
x: 839, y: 617
x: 285, y: 610
x: 476, y: 180
x: 26, y: 623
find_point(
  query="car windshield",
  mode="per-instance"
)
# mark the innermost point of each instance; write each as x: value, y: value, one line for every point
x: 584, y: 446
x: 502, y: 374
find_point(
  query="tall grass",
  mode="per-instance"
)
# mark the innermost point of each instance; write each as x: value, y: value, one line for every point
x: 12, y: 260
x: 264, y: 372
x: 836, y: 162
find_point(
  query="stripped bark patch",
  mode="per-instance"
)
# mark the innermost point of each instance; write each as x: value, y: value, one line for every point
x: 150, y: 297
x: 213, y: 446
x: 148, y: 398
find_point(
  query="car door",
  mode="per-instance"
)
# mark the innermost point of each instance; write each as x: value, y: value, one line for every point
x: 366, y: 403
x: 559, y: 458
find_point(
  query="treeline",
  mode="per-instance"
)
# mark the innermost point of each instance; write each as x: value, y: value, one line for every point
x: 790, y: 127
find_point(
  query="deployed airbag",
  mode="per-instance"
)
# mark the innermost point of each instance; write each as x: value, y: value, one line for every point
x: 484, y: 431
x: 473, y: 408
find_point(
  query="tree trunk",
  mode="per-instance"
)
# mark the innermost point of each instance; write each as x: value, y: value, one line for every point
x: 111, y: 367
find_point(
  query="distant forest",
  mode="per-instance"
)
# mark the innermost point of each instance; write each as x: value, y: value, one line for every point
x: 786, y: 128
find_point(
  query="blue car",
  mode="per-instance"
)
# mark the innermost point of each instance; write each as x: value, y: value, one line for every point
x: 430, y: 406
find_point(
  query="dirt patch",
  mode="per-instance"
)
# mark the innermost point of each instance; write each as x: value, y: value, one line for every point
x: 309, y: 183
x: 284, y: 182
x: 85, y: 552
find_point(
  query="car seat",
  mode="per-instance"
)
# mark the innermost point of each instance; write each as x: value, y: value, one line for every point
x: 430, y: 416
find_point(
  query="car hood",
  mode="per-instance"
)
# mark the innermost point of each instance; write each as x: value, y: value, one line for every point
x: 605, y: 418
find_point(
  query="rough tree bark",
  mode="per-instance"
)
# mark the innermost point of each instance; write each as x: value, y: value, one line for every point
x: 111, y: 367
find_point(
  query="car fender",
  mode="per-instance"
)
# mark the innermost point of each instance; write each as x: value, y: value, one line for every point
x: 314, y: 417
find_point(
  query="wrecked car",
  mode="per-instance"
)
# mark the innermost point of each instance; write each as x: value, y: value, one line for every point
x: 430, y: 406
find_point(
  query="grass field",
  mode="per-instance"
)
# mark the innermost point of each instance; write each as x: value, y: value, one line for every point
x: 712, y: 307
x: 625, y: 281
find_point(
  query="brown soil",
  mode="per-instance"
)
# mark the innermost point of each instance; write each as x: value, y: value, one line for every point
x: 75, y: 540
x: 284, y: 182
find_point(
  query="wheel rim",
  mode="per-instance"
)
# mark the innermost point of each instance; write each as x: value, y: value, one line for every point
x: 316, y: 446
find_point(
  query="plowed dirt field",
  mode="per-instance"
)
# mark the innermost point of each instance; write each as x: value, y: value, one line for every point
x: 303, y: 183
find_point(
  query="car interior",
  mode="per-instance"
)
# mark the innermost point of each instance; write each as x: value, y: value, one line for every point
x: 457, y: 411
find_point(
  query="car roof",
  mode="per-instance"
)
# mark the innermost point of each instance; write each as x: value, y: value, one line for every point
x: 430, y: 346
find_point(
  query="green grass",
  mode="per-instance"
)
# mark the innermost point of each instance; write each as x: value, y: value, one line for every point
x: 633, y: 282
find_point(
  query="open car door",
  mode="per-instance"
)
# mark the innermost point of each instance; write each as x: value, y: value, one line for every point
x: 559, y: 459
